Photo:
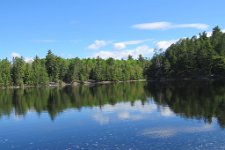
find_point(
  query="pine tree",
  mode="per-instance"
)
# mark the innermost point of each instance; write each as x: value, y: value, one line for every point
x: 52, y: 66
x: 5, y: 73
x: 18, y: 71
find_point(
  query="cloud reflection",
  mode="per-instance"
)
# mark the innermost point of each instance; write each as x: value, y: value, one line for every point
x: 173, y: 131
x: 166, y: 112
x: 124, y: 111
x: 101, y: 119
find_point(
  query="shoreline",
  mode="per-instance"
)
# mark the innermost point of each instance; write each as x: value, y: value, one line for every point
x: 203, y: 78
x: 74, y: 84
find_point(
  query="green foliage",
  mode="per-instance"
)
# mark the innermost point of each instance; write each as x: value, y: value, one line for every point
x: 18, y: 71
x: 40, y: 75
x: 52, y: 65
x: 5, y: 73
x: 195, y: 57
x: 54, y: 69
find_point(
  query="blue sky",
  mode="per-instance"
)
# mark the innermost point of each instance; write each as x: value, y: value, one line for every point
x: 109, y: 28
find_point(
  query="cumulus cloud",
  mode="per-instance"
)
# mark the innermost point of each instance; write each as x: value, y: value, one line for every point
x: 15, y: 55
x: 28, y: 59
x: 165, y: 44
x: 143, y: 50
x: 122, y: 45
x: 97, y: 44
x: 167, y: 25
x: 209, y: 33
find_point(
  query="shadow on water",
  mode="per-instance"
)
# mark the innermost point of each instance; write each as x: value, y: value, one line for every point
x: 202, y: 100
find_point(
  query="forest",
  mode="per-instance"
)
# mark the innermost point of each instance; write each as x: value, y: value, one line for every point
x: 201, y: 56
x: 57, y: 70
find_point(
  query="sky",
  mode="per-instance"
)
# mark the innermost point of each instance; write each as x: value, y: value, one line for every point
x: 105, y: 28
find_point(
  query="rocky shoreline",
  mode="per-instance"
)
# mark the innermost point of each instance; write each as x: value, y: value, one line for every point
x: 75, y: 83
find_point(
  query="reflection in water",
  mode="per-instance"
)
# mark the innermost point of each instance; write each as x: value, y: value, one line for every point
x: 124, y: 111
x: 173, y: 131
x: 199, y: 100
x: 136, y: 116
x: 56, y: 100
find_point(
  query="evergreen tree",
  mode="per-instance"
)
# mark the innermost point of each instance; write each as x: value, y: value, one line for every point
x: 52, y: 66
x: 5, y: 73
x: 40, y: 75
x: 195, y: 57
x: 18, y: 71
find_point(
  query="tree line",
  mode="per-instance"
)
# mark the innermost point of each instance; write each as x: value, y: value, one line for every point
x: 52, y: 68
x: 196, y: 57
x: 199, y: 56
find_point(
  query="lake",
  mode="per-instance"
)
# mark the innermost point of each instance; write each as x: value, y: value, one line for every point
x: 185, y: 115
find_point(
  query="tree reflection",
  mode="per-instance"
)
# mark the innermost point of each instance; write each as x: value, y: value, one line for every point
x: 192, y: 99
x: 203, y: 100
x: 55, y: 100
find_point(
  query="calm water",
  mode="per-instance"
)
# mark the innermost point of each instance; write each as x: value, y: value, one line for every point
x: 126, y: 116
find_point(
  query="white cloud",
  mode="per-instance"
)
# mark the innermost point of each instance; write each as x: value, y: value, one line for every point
x: 199, y: 26
x: 167, y: 25
x: 122, y: 45
x: 209, y: 33
x: 28, y: 59
x: 165, y: 44
x: 97, y: 44
x: 144, y: 50
x: 152, y: 26
x: 15, y: 55
x: 105, y: 54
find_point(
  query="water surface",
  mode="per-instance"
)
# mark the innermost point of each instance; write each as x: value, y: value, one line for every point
x: 132, y: 116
